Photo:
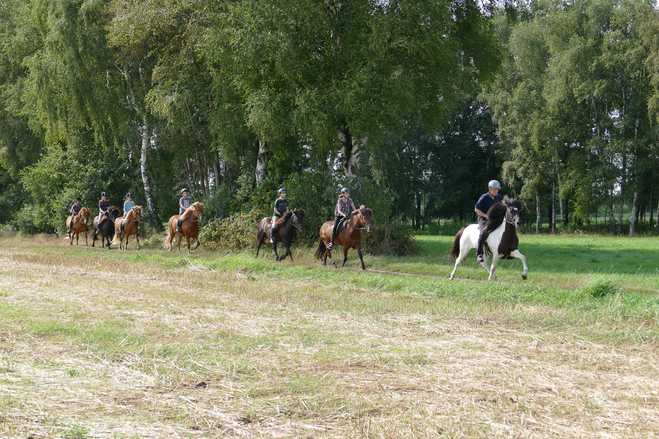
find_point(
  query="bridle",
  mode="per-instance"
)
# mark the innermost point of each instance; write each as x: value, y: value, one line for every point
x: 361, y: 219
x: 294, y: 221
x: 510, y: 219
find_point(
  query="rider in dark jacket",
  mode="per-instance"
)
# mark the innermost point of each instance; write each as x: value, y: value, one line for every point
x: 485, y: 202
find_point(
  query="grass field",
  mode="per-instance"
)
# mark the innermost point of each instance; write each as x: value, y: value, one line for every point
x: 97, y: 343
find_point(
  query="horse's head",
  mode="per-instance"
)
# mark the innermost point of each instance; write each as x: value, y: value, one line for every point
x: 514, y: 211
x: 365, y: 217
x: 297, y: 218
x: 137, y: 213
x: 199, y: 210
x: 85, y: 214
x: 113, y: 212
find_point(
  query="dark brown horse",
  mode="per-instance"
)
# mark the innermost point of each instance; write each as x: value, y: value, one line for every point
x: 348, y: 235
x: 131, y: 227
x: 189, y: 227
x: 107, y: 227
x: 285, y: 232
x: 79, y: 225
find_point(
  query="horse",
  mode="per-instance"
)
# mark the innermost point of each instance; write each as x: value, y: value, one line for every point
x: 189, y: 227
x: 284, y: 233
x: 504, y: 219
x: 107, y: 227
x: 348, y: 235
x: 131, y: 227
x: 79, y: 225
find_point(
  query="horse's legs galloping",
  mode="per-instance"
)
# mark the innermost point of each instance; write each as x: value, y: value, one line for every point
x: 274, y: 247
x: 495, y: 260
x: 86, y: 238
x: 516, y: 254
x: 188, y: 240
x: 345, y: 256
x: 288, y: 251
x: 197, y: 244
x: 361, y: 258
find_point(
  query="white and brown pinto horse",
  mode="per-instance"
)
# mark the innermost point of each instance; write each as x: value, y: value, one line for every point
x: 504, y: 219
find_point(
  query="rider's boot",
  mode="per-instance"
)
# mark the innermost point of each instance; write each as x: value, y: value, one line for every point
x: 70, y: 226
x: 331, y: 243
x: 178, y: 226
x: 121, y: 228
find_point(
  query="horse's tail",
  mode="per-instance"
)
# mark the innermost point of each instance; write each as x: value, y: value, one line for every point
x: 320, y: 251
x: 169, y: 241
x: 455, y: 248
x: 115, y: 239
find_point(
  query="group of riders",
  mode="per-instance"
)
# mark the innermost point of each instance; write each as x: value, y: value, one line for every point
x: 104, y: 205
x: 342, y: 210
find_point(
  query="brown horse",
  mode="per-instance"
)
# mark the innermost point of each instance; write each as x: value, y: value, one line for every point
x: 284, y: 233
x: 131, y: 227
x: 348, y: 235
x: 189, y: 227
x: 79, y: 225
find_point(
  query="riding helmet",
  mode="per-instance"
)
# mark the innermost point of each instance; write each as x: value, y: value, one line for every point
x: 103, y: 194
x: 281, y: 190
x: 129, y: 195
x: 494, y: 184
x: 78, y: 199
x: 345, y: 190
x: 184, y: 190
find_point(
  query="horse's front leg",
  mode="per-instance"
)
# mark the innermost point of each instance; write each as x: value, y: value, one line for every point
x: 137, y: 238
x: 188, y: 241
x: 495, y: 260
x: 86, y: 238
x: 288, y: 252
x: 516, y: 254
x: 197, y: 244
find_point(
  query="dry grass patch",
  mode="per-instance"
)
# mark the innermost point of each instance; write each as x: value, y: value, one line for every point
x: 153, y: 350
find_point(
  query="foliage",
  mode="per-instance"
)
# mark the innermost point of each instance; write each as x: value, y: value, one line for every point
x: 235, y: 232
x: 390, y: 238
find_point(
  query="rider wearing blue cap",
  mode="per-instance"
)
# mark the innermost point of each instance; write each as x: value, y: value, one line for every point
x: 281, y: 207
x: 341, y: 212
x: 485, y: 202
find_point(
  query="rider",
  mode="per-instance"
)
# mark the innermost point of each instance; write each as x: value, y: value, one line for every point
x: 128, y: 205
x: 281, y: 207
x: 485, y: 202
x: 75, y: 209
x: 341, y: 212
x: 103, y: 206
x: 183, y: 203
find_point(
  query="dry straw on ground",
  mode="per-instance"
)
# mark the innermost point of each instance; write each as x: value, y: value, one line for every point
x: 97, y: 347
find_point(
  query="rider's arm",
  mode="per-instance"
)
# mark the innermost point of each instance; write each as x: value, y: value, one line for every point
x: 480, y: 212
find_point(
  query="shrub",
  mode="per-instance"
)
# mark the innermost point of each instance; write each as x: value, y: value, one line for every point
x: 390, y: 239
x: 600, y: 287
x: 236, y: 232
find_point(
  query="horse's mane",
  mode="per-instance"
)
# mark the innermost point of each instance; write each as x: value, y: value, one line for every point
x: 284, y: 218
x: 497, y: 213
x: 194, y: 207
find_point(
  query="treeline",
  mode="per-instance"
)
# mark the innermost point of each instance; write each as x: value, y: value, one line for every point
x: 414, y: 105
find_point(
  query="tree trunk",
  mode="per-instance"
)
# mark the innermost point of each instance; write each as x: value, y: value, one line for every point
x: 632, y: 220
x: 144, y: 169
x: 349, y: 153
x: 651, y: 211
x: 553, y: 208
x: 538, y: 214
x: 218, y: 175
x: 623, y: 184
x: 262, y: 162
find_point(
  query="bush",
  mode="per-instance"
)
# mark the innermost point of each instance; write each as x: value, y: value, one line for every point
x: 236, y: 232
x: 600, y: 287
x: 390, y: 239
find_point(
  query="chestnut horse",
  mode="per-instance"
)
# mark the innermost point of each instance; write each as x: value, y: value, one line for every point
x: 107, y: 227
x: 131, y: 227
x: 284, y: 233
x: 348, y: 235
x: 79, y: 225
x: 189, y: 227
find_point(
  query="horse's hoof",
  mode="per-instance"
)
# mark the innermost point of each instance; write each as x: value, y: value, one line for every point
x: 524, y: 277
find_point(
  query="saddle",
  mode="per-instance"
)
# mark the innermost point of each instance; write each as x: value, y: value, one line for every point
x: 342, y: 224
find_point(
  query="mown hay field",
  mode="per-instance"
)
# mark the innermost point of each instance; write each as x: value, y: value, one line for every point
x: 149, y: 344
